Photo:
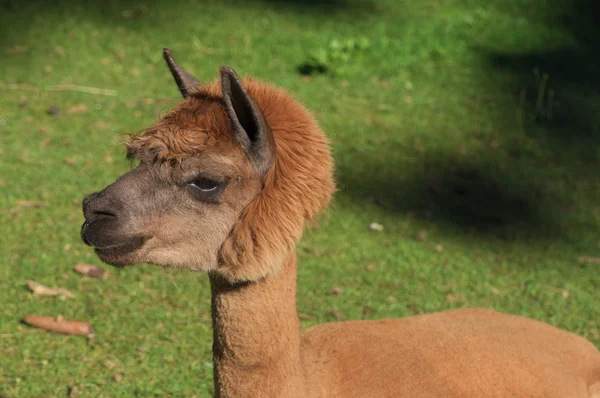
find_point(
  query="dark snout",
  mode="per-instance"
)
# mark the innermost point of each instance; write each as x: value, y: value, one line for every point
x: 95, y: 208
x: 106, y: 226
x: 87, y: 215
x: 101, y: 219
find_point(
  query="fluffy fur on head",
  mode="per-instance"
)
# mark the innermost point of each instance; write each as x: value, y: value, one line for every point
x: 197, y: 125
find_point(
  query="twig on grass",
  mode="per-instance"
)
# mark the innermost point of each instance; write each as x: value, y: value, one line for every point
x: 82, y: 89
x: 59, y: 87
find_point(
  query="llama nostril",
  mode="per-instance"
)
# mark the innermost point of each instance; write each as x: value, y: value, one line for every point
x: 104, y: 213
x: 87, y: 200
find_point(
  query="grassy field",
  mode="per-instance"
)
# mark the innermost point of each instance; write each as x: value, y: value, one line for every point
x: 467, y: 128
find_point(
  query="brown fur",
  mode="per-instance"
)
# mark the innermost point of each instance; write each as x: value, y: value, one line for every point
x: 246, y: 240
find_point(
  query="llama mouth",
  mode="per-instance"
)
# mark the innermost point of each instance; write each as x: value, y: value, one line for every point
x: 121, y: 248
x: 122, y: 254
x: 108, y: 246
x: 129, y: 245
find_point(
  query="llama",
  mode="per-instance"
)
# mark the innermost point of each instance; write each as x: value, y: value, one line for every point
x: 225, y: 183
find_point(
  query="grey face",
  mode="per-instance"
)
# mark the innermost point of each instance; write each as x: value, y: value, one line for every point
x: 173, y: 214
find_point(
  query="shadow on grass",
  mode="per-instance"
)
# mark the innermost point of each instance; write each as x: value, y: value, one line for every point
x: 467, y: 196
x: 558, y: 92
x: 560, y: 87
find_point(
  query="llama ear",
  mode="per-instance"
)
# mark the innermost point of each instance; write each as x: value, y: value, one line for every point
x: 249, y: 126
x: 186, y: 83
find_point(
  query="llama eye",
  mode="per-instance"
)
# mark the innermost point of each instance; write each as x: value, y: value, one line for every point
x: 205, y: 184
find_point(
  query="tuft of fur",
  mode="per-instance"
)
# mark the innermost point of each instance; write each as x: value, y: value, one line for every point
x: 196, y: 125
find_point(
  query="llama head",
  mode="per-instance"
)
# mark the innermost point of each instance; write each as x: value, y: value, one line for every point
x: 224, y: 183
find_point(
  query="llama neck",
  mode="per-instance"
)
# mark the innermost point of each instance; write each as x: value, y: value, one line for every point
x: 256, y: 330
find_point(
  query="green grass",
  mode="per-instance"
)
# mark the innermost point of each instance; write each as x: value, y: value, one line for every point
x: 484, y: 178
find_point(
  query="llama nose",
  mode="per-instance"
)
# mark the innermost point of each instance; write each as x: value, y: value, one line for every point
x: 96, y: 206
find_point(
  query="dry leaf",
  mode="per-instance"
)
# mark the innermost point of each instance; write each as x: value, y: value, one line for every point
x: 422, y: 235
x: 59, y: 325
x: 439, y: 248
x: 91, y: 271
x: 41, y: 290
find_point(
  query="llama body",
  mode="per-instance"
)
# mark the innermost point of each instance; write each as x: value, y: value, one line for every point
x: 225, y: 183
x: 455, y: 354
